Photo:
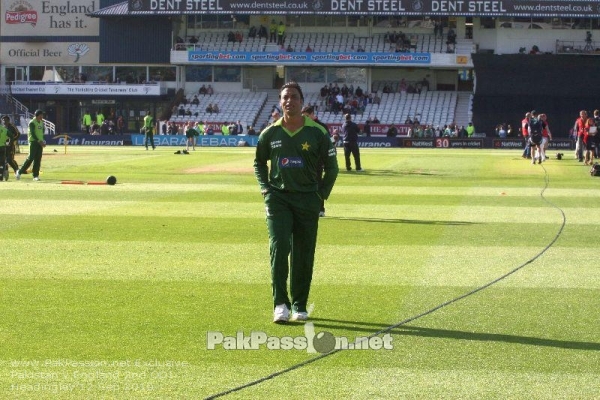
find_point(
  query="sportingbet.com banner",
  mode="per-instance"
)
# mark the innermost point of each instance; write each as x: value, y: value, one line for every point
x: 303, y: 57
x: 526, y: 8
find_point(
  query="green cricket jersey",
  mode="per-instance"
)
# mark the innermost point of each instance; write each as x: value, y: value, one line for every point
x: 35, y: 133
x: 295, y: 158
x: 3, y: 136
x: 148, y: 122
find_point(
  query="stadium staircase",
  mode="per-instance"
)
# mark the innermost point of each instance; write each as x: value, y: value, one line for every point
x: 265, y: 114
x: 464, y: 113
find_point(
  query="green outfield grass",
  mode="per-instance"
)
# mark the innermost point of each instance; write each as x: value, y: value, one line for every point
x: 113, y: 291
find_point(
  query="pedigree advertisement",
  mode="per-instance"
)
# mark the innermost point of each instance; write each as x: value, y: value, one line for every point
x: 49, y: 18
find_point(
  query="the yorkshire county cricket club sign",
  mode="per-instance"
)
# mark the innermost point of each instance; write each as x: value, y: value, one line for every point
x: 527, y: 8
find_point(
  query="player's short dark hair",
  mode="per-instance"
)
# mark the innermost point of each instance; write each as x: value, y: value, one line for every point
x: 293, y: 85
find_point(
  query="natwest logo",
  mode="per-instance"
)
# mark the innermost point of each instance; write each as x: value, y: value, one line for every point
x: 21, y: 12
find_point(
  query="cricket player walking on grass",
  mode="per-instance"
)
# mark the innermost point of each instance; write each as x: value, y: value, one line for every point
x: 36, y: 146
x: 294, y: 146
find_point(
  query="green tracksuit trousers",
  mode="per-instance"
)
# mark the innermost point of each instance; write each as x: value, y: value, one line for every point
x: 34, y: 157
x: 149, y: 138
x: 292, y: 220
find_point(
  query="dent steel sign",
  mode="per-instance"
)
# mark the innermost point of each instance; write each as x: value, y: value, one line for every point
x: 556, y: 8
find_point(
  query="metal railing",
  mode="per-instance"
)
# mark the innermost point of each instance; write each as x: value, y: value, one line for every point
x: 23, y: 112
x: 577, y: 47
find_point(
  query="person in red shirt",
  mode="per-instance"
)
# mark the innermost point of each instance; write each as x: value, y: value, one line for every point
x: 546, y: 136
x: 589, y: 134
x: 580, y: 125
x: 525, y: 133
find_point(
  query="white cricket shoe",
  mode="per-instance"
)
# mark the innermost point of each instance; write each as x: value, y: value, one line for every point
x: 281, y: 313
x: 37, y: 178
x: 299, y: 316
x: 18, y: 175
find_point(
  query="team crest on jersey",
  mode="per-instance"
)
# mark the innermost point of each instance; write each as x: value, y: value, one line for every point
x: 291, y: 162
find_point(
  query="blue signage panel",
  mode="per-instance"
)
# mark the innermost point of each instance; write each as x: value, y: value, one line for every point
x: 203, y: 141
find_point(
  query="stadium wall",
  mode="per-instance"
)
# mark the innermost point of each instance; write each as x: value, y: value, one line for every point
x: 509, y: 85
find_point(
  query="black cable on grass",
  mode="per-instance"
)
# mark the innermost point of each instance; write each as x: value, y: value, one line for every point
x: 415, y: 317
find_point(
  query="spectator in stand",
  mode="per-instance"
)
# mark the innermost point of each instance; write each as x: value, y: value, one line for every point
x: 120, y: 124
x: 376, y: 120
x: 367, y: 127
x: 209, y: 108
x: 289, y: 48
x: 179, y: 42
x: 308, y: 48
x: 209, y: 90
x: 392, y: 131
x: 273, y: 31
x: 360, y: 49
x: 251, y: 131
x: 216, y: 109
x: 275, y: 115
x: 501, y: 131
x: 376, y: 99
x: 262, y: 32
x: 231, y: 37
x: 408, y: 121
x: 403, y: 86
x: 104, y: 128
x: 429, y: 132
x: 280, y: 33
x: 181, y: 111
x: 173, y: 129
x: 239, y: 37
x: 252, y: 32
x: 195, y: 101
x: 193, y: 40
x: 202, y: 90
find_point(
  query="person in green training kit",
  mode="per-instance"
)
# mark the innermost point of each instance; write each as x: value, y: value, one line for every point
x: 294, y: 146
x: 13, y: 136
x: 4, y: 143
x: 149, y: 130
x: 35, y: 135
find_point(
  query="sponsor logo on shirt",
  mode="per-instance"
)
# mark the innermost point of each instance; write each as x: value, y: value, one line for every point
x: 291, y: 162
